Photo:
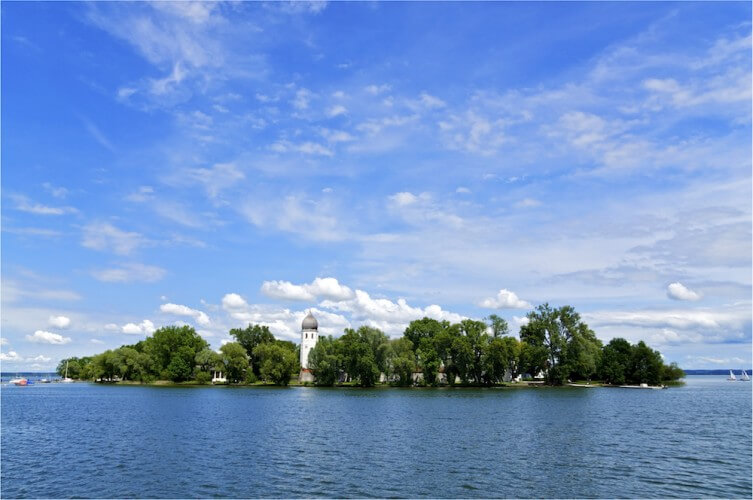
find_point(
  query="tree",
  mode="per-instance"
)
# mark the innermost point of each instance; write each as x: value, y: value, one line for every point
x: 277, y: 362
x: 560, y: 343
x: 166, y: 343
x: 325, y: 361
x: 615, y: 361
x: 500, y: 357
x: 181, y: 364
x: 235, y: 360
x: 498, y: 325
x: 249, y: 338
x: 428, y: 360
x: 672, y: 372
x: 402, y: 360
x: 207, y: 360
x: 363, y: 351
x: 646, y: 365
x: 478, y: 340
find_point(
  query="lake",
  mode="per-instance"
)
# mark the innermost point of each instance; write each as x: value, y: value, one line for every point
x: 86, y: 440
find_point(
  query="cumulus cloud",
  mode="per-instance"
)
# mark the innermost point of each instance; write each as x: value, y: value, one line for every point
x: 10, y: 356
x: 96, y: 341
x: 391, y: 317
x: 505, y: 299
x: 59, y: 321
x: 181, y: 310
x: 40, y: 359
x: 678, y: 291
x: 320, y: 288
x: 145, y: 327
x: 282, y: 322
x: 44, y: 337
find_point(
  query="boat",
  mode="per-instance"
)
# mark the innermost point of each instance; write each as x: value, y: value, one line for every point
x: 65, y: 379
x: 744, y: 377
x: 44, y: 380
x: 642, y: 386
x: 731, y: 376
x: 19, y: 381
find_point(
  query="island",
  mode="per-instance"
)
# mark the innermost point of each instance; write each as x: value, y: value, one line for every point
x: 555, y: 347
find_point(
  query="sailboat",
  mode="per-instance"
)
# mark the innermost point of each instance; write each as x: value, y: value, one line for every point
x: 744, y: 377
x: 67, y: 380
x: 731, y: 376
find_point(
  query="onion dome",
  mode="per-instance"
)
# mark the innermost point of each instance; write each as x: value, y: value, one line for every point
x: 309, y: 322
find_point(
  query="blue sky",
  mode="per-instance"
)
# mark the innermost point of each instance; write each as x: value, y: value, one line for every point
x: 217, y: 164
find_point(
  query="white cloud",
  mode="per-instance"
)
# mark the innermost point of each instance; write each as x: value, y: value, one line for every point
x: 111, y: 327
x: 378, y: 89
x: 142, y: 194
x: 320, y: 288
x: 105, y: 236
x: 23, y: 204
x: 41, y: 359
x: 233, y: 301
x: 131, y: 272
x: 145, y: 327
x: 403, y: 198
x: 678, y: 291
x: 337, y: 110
x: 528, y: 203
x: 59, y: 321
x: 56, y: 191
x: 463, y: 190
x: 96, y: 341
x: 731, y: 361
x: 302, y: 99
x: 181, y: 310
x: 44, y: 337
x: 431, y: 102
x: 10, y: 356
x: 505, y: 299
x: 218, y: 177
x: 309, y: 219
x: 391, y: 317
x: 3, y: 341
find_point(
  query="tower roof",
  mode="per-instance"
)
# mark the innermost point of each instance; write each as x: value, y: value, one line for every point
x: 309, y: 322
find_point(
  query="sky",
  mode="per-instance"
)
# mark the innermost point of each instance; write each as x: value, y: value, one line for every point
x: 219, y: 164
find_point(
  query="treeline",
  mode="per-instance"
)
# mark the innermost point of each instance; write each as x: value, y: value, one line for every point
x: 553, y: 342
x: 180, y: 354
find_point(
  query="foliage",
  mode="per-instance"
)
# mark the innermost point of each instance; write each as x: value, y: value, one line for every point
x: 249, y: 338
x: 277, y: 362
x: 562, y: 345
x: 235, y: 360
x: 203, y: 378
x: 401, y: 361
x: 325, y: 361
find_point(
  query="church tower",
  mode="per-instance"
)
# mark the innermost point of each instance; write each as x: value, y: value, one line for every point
x: 309, y: 336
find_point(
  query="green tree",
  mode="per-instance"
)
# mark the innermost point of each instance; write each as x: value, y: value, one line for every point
x: 166, y: 343
x: 277, y: 362
x: 560, y: 343
x: 615, y: 361
x: 207, y: 360
x: 646, y: 365
x: 235, y: 360
x: 672, y: 373
x: 428, y: 360
x: 402, y: 360
x: 498, y: 326
x: 325, y: 361
x: 478, y: 340
x: 249, y: 338
x: 180, y: 367
x: 363, y: 350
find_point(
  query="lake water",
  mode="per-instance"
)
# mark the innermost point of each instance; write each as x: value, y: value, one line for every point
x: 85, y: 440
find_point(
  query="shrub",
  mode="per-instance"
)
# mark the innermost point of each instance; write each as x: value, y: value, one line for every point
x: 203, y: 378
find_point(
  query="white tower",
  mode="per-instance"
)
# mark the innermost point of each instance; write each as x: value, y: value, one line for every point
x: 309, y: 336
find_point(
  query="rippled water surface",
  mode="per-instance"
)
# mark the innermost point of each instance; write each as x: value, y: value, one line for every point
x: 84, y: 440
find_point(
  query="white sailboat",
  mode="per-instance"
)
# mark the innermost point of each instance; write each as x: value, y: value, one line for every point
x: 744, y: 377
x: 68, y: 380
x: 731, y: 376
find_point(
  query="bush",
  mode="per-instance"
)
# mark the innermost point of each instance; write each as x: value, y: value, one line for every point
x: 251, y: 377
x: 203, y: 378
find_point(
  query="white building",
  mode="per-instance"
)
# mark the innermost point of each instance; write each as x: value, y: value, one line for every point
x: 309, y: 336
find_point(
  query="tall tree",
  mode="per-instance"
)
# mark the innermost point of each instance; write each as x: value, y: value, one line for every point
x: 235, y: 360
x: 276, y: 362
x: 498, y: 325
x: 325, y: 361
x: 249, y: 338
